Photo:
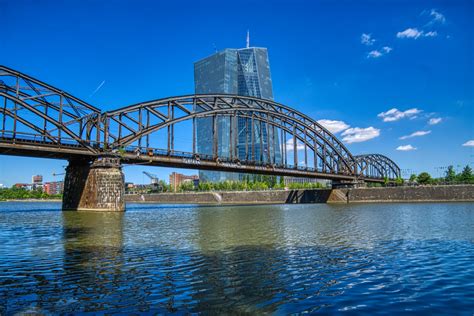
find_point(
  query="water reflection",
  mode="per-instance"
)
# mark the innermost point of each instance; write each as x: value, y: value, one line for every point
x: 238, y: 260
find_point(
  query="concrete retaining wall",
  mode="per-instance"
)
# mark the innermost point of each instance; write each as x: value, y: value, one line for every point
x: 235, y: 197
x: 441, y: 193
x: 358, y: 195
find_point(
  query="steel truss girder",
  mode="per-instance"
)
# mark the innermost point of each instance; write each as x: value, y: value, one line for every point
x: 35, y: 107
x: 383, y: 166
x: 314, y: 137
x: 49, y: 113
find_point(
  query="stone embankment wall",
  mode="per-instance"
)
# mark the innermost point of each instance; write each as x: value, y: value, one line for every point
x: 235, y: 197
x: 439, y: 193
x: 395, y: 194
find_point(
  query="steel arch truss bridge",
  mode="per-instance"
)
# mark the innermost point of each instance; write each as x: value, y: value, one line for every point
x: 209, y: 132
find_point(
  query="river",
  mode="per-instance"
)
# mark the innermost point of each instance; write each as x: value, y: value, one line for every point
x: 278, y: 259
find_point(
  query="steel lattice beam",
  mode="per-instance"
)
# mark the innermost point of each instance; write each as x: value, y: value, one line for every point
x: 40, y: 120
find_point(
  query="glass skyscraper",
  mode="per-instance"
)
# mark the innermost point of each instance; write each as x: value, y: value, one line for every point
x: 244, y: 72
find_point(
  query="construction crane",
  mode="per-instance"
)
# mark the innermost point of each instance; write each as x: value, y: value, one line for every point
x: 153, y: 177
x: 155, y: 182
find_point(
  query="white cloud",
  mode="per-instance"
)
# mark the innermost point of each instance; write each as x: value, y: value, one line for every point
x: 374, y: 54
x: 437, y: 17
x: 410, y: 33
x: 469, y: 143
x: 289, y: 144
x: 367, y: 39
x: 334, y: 126
x: 416, y: 134
x: 406, y: 148
x: 415, y: 33
x: 431, y: 34
x: 435, y: 120
x: 379, y: 53
x: 395, y: 114
x: 357, y: 134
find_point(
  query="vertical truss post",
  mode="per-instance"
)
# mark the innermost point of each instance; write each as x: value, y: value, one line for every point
x: 97, y: 129
x: 268, y: 139
x: 14, y: 120
x: 282, y: 147
x: 106, y: 132
x: 236, y: 136
x: 315, y: 154
x: 140, y: 127
x: 194, y: 135
x: 231, y: 132
x: 214, y: 137
x: 172, y: 129
x: 14, y: 105
x: 147, y: 126
x: 246, y: 139
x: 305, y: 151
x: 295, y: 148
x: 4, y: 116
x: 261, y: 140
x: 60, y: 118
x: 275, y: 143
x: 169, y: 129
x: 253, y: 137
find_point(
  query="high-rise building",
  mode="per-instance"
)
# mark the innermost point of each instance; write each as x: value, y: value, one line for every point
x: 245, y: 72
x: 37, y: 181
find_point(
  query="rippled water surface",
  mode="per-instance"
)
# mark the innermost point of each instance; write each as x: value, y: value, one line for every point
x: 380, y: 258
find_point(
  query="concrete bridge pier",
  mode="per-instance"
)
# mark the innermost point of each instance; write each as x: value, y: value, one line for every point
x: 94, y: 185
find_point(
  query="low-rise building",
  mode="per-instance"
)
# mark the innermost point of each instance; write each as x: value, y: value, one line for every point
x: 53, y: 188
x: 176, y: 179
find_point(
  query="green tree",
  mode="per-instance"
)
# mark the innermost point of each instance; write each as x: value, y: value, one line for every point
x: 399, y: 181
x: 424, y: 178
x: 413, y: 178
x: 450, y: 175
x: 466, y: 175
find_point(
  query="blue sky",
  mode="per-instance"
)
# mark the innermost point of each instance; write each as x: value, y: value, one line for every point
x: 350, y: 62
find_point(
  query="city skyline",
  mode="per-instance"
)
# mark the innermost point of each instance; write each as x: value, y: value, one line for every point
x: 402, y: 88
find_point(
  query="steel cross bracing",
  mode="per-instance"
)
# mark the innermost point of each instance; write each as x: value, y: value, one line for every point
x: 40, y: 120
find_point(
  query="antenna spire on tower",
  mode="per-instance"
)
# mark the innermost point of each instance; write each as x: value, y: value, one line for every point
x: 248, y: 39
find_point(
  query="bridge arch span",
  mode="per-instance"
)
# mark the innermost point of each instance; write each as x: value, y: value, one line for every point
x: 377, y: 166
x: 135, y: 124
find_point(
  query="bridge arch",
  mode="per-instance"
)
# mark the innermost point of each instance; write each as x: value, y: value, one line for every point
x: 33, y: 110
x: 136, y: 123
x: 257, y: 132
x: 377, y: 166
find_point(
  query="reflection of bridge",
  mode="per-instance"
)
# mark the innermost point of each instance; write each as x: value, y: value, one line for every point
x: 39, y: 120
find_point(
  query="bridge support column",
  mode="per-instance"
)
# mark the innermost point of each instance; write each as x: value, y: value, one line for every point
x: 96, y: 186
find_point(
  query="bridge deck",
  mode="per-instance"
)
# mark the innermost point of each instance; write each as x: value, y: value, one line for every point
x: 33, y: 147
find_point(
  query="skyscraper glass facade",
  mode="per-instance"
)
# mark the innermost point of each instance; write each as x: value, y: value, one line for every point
x: 244, y: 72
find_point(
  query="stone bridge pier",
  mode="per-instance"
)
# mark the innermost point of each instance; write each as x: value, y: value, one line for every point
x: 94, y: 185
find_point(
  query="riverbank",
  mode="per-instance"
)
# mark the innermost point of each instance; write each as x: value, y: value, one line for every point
x: 32, y: 200
x: 448, y: 193
x: 452, y: 193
